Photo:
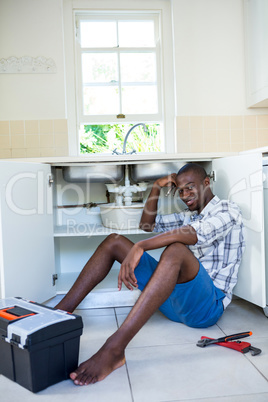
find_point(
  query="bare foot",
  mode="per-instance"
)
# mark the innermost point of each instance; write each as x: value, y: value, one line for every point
x: 98, y: 366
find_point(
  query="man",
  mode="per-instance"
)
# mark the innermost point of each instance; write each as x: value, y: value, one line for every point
x: 193, y: 281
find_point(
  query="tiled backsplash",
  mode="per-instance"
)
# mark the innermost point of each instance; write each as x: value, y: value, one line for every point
x: 33, y: 138
x: 40, y: 138
x: 221, y: 133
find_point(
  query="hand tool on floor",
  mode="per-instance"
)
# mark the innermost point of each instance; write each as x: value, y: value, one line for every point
x: 208, y: 341
x: 242, y: 347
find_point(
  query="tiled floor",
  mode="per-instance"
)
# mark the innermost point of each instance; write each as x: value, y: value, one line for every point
x: 164, y: 364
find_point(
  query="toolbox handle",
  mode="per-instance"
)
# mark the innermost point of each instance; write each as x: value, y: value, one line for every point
x: 11, y: 317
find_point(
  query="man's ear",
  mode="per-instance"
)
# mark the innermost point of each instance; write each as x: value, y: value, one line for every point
x: 206, y: 181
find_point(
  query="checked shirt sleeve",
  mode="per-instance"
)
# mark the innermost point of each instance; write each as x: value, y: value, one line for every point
x: 217, y: 223
x: 164, y: 223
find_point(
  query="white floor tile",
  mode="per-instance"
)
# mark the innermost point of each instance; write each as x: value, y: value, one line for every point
x: 260, y: 361
x: 96, y: 330
x: 170, y: 373
x: 242, y: 316
x: 95, y: 312
x: 122, y: 310
x: 113, y: 388
x: 164, y: 364
x: 161, y: 331
x: 239, y: 398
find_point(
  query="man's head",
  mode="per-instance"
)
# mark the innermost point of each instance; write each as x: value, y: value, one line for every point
x: 193, y: 185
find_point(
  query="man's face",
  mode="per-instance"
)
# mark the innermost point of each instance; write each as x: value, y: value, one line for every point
x: 192, y: 190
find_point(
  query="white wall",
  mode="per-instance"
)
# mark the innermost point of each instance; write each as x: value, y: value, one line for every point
x: 209, y: 57
x: 32, y: 28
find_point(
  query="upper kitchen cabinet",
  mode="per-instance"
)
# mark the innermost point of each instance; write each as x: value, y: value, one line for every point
x: 256, y: 50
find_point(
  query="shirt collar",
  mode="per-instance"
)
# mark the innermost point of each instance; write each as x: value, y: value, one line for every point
x: 206, y: 210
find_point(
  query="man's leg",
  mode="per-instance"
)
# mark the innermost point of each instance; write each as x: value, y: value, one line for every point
x: 113, y: 248
x: 177, y: 265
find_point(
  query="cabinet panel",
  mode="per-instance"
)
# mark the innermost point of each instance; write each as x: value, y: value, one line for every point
x: 240, y: 179
x: 26, y: 231
x: 256, y: 43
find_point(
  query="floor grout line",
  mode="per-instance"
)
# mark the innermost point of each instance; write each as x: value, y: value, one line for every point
x: 128, y: 376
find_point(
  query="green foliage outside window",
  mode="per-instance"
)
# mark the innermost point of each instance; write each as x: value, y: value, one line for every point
x: 104, y: 138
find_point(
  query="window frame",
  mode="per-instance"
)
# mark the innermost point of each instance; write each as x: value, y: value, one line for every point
x: 167, y: 89
x: 118, y: 16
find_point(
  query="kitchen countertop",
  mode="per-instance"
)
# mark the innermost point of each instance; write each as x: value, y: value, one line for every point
x: 126, y: 159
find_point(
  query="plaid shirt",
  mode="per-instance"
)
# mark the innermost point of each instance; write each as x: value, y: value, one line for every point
x: 220, y: 245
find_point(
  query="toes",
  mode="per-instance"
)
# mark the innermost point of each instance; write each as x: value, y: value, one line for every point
x: 84, y: 379
x: 73, y: 376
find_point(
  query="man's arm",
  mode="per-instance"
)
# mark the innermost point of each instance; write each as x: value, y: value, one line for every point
x: 185, y: 234
x: 147, y: 221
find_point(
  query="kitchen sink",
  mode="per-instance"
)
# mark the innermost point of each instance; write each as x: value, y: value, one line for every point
x: 153, y: 170
x: 93, y: 173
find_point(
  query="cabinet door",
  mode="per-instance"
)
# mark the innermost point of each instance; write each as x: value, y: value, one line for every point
x: 26, y: 231
x: 240, y: 179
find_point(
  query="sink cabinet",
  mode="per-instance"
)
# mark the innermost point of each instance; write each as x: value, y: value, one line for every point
x: 44, y: 245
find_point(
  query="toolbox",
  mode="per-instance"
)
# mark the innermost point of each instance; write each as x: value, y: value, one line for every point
x: 39, y: 345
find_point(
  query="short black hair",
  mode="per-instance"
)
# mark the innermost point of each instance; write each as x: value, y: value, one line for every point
x: 193, y: 167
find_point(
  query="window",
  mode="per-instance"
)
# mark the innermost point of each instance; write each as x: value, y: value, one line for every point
x: 119, y: 73
x: 118, y: 76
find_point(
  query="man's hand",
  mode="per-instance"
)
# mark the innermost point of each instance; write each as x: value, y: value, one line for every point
x: 167, y: 181
x: 150, y: 209
x: 126, y: 274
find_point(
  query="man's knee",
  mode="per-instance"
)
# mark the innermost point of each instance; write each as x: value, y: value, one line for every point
x: 112, y: 240
x: 175, y: 251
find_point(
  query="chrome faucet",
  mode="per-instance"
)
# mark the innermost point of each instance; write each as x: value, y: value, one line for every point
x: 125, y: 140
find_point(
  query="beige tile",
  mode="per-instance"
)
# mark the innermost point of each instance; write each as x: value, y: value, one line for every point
x: 237, y: 146
x: 250, y: 145
x: 183, y: 141
x: 210, y: 141
x: 33, y: 153
x: 32, y: 141
x: 184, y: 147
x: 197, y: 146
x: 210, y: 122
x: 18, y: 153
x: 60, y: 126
x: 46, y: 126
x: 223, y: 122
x: 210, y: 135
x: 47, y: 152
x: 4, y: 141
x: 237, y: 122
x: 5, y: 153
x: 31, y: 126
x: 250, y: 135
x: 262, y: 137
x: 17, y: 127
x: 250, y: 122
x: 17, y: 141
x: 4, y: 127
x: 196, y: 122
x: 224, y: 146
x: 61, y: 140
x: 262, y: 121
x: 211, y: 147
x: 197, y: 136
x: 46, y: 141
x: 237, y: 136
x: 223, y: 136
x: 65, y: 152
x: 183, y: 122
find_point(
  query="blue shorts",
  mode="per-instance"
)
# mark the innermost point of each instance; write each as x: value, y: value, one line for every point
x: 197, y: 303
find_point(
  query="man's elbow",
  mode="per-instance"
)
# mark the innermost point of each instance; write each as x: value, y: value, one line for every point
x: 146, y: 227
